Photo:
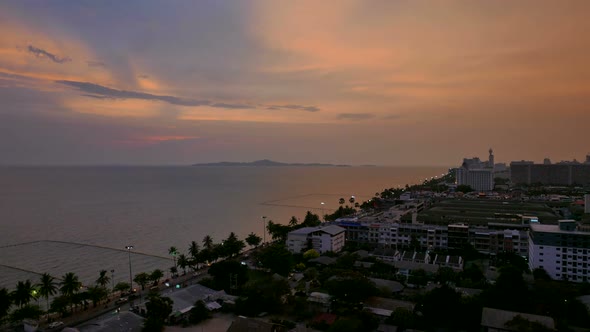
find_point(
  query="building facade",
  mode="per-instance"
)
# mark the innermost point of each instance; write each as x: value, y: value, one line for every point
x: 562, y: 250
x: 322, y: 239
x: 562, y: 174
x: 477, y: 174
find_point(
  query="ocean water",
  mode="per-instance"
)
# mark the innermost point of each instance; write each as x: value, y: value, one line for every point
x: 79, y: 219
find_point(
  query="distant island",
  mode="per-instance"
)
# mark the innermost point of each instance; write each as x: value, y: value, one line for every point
x: 267, y: 163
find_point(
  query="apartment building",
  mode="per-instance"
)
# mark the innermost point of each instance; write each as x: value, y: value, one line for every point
x: 563, y: 250
x: 322, y: 239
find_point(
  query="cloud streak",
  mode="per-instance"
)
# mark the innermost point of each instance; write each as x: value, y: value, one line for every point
x: 41, y: 53
x: 96, y: 64
x: 295, y: 107
x: 102, y: 91
x: 355, y: 116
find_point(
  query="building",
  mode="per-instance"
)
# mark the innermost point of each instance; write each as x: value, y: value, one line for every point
x: 565, y: 173
x: 496, y: 320
x: 477, y: 174
x: 587, y: 203
x: 322, y: 239
x: 562, y: 250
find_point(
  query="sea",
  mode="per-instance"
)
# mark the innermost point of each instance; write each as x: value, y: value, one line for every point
x: 80, y: 219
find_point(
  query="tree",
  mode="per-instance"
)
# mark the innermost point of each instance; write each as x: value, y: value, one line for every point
x: 193, y: 251
x: 156, y: 275
x: 418, y: 277
x: 311, y: 220
x: 232, y: 245
x: 142, y: 279
x: 253, y: 240
x: 350, y: 287
x: 278, y: 232
x: 5, y: 303
x: 311, y: 254
x: 198, y: 313
x: 103, y: 279
x: 442, y: 307
x: 158, y: 310
x: 173, y: 252
x: 276, y: 258
x: 464, y: 188
x: 23, y: 293
x: 446, y: 275
x: 97, y: 294
x: 208, y: 242
x: 293, y: 222
x: 402, y: 318
x: 183, y: 262
x: 69, y: 287
x: 122, y: 287
x: 541, y: 274
x: 341, y: 201
x: 263, y: 295
x: 60, y: 304
x: 229, y: 275
x: 25, y: 312
x: 70, y: 284
x: 47, y: 287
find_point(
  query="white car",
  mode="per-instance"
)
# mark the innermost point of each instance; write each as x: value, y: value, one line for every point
x: 55, y: 324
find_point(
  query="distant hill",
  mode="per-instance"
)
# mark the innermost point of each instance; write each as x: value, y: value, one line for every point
x: 267, y: 163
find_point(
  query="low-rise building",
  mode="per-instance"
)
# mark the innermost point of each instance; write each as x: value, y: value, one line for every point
x: 322, y: 239
x: 496, y: 320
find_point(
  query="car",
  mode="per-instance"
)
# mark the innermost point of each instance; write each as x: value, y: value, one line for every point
x: 121, y: 300
x: 55, y: 324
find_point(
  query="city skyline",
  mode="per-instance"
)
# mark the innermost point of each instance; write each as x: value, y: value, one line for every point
x: 390, y: 83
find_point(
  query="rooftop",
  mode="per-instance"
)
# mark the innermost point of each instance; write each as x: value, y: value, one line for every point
x: 496, y: 318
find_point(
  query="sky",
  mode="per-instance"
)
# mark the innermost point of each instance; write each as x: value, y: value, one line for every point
x: 382, y: 82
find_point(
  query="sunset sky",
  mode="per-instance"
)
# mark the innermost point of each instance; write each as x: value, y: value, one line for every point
x: 358, y: 82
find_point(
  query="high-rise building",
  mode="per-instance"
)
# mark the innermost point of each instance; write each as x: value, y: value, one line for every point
x: 587, y: 203
x: 477, y: 174
x: 562, y: 173
x: 561, y: 250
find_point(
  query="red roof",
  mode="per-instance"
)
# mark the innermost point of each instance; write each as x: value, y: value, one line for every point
x: 325, y: 317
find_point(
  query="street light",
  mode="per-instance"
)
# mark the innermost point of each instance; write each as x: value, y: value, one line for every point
x: 323, y: 210
x: 264, y: 229
x: 130, y: 274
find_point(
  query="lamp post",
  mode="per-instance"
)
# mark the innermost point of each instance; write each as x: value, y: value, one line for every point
x: 264, y: 229
x: 129, y: 248
x: 323, y: 210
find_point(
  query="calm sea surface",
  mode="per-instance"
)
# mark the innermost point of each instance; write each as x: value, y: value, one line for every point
x: 79, y: 219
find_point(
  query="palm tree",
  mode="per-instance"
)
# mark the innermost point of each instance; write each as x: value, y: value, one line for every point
x: 351, y: 200
x: 173, y: 251
x: 341, y: 201
x: 293, y: 222
x: 23, y: 294
x: 193, y: 250
x: 70, y: 285
x: 183, y: 262
x: 103, y: 279
x: 208, y: 242
x: 142, y: 279
x: 47, y: 287
x: 156, y: 275
x: 5, y: 302
x: 253, y: 240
